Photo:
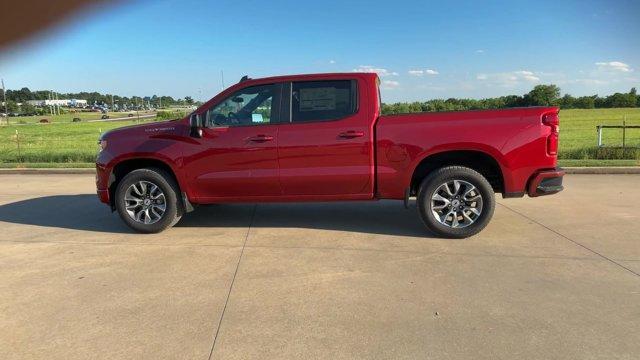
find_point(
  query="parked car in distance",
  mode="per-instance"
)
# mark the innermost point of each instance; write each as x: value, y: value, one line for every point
x: 322, y: 138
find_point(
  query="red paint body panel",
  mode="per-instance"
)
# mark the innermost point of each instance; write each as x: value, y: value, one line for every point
x: 316, y: 160
x: 364, y: 156
x: 515, y: 138
x: 225, y: 162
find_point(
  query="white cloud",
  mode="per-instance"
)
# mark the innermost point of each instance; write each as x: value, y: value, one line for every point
x: 509, y: 79
x: 614, y: 66
x: 390, y: 84
x: 372, y: 69
x: 423, y: 72
x: 332, y: 61
x: 479, y: 51
x: 527, y: 75
x: 587, y: 81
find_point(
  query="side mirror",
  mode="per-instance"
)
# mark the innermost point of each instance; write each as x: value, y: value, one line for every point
x: 195, y: 124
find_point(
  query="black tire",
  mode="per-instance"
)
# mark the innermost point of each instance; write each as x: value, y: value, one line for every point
x: 173, y: 211
x: 443, y: 175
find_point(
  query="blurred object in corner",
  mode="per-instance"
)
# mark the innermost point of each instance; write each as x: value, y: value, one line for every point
x: 42, y: 14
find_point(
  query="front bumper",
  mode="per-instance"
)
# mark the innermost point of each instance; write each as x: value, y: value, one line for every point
x: 103, y: 195
x: 546, y: 182
x: 103, y: 180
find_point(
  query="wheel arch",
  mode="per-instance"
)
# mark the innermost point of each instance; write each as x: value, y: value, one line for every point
x: 124, y: 167
x: 478, y: 160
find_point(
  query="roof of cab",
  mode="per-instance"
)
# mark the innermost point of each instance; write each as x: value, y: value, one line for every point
x: 318, y: 76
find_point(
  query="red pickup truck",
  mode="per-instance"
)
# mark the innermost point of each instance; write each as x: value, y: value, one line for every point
x: 322, y: 138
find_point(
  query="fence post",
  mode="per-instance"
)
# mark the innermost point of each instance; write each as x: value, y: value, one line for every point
x: 18, y: 144
x: 599, y: 135
x: 624, y: 131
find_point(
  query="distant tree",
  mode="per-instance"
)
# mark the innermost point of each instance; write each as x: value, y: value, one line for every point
x: 634, y: 92
x: 543, y: 95
x: 12, y: 106
x: 585, y: 102
x: 513, y: 101
x: 619, y: 100
x: 188, y: 100
x: 567, y: 102
x: 27, y: 109
x: 19, y: 96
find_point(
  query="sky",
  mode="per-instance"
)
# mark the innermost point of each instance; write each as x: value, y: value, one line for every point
x: 421, y: 49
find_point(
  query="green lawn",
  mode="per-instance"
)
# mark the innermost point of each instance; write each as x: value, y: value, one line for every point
x: 578, y: 136
x: 53, y: 143
x: 63, y: 143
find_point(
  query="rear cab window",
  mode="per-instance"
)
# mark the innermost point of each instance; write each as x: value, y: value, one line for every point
x: 323, y: 100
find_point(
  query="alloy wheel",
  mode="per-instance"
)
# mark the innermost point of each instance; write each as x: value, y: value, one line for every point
x: 456, y: 204
x: 145, y: 202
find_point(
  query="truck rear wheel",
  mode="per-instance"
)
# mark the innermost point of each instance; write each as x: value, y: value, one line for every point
x: 147, y: 200
x: 455, y: 202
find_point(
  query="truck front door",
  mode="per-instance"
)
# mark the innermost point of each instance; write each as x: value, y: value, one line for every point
x: 237, y: 155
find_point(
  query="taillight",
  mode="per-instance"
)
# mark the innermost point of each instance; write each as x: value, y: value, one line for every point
x: 552, y: 121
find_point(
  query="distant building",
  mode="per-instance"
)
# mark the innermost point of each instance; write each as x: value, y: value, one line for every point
x: 59, y: 102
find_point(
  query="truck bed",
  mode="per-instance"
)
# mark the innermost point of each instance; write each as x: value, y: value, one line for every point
x: 514, y: 137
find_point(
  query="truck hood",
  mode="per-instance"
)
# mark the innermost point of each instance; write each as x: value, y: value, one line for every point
x: 143, y: 130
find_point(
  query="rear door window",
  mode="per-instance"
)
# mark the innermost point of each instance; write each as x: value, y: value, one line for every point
x: 323, y: 100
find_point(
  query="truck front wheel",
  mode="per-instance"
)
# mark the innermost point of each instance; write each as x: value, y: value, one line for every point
x: 147, y: 201
x: 455, y: 202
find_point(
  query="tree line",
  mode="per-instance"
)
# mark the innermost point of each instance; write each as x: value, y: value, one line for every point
x: 541, y: 95
x: 24, y: 94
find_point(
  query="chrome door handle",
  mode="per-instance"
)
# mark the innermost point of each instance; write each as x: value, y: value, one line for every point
x: 351, y: 134
x: 261, y: 138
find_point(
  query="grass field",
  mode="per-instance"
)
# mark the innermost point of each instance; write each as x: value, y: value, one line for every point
x: 63, y: 143
x: 53, y: 143
x: 579, y: 139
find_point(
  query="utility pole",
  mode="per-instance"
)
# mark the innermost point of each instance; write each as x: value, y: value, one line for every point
x: 4, y: 93
x: 112, y: 109
x: 222, y: 77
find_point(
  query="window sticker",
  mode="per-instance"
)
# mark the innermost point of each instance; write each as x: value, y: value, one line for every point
x: 316, y: 99
x: 256, y: 118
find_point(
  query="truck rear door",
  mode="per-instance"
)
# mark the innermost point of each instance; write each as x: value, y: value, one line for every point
x: 325, y: 148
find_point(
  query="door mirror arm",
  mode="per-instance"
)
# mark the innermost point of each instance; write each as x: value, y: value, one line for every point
x: 195, y: 125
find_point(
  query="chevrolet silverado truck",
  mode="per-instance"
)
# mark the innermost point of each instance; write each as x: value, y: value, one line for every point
x: 322, y: 138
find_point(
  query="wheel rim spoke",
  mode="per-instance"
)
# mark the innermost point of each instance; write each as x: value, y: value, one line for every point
x: 456, y: 203
x: 145, y: 202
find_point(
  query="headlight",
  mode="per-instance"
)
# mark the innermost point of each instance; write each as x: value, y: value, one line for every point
x: 102, y: 144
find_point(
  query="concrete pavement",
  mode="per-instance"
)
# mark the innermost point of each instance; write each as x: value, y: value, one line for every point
x: 550, y: 278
